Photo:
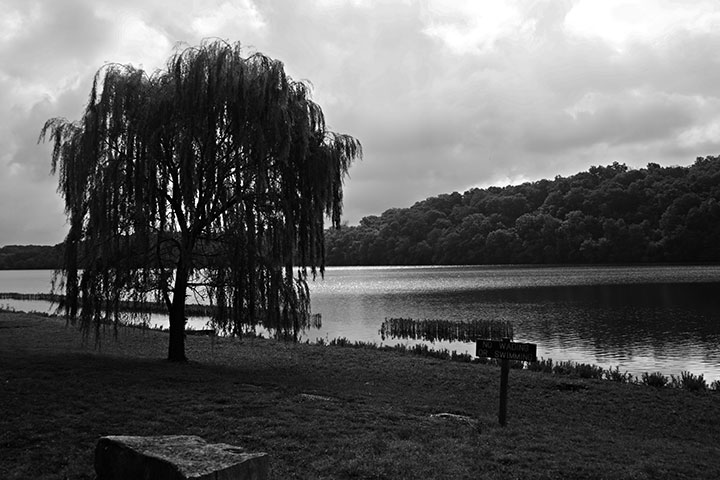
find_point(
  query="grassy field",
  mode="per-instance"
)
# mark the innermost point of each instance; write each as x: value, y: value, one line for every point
x: 332, y: 412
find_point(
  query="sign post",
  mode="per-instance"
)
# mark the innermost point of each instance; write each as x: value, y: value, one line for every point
x: 504, y: 373
x: 506, y: 350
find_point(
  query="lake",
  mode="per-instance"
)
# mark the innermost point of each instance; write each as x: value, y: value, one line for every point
x: 642, y: 319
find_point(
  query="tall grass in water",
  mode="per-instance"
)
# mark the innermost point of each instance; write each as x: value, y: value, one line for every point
x: 445, y: 330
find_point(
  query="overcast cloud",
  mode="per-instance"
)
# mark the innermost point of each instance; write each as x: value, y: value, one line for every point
x: 443, y: 94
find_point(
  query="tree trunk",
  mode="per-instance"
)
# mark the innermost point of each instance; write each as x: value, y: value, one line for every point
x: 176, y: 347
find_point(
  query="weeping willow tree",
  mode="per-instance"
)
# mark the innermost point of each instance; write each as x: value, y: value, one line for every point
x: 215, y: 174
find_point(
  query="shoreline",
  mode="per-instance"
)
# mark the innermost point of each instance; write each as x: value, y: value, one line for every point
x: 636, y: 330
x: 686, y: 379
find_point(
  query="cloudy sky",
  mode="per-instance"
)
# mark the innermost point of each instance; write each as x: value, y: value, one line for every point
x: 443, y: 94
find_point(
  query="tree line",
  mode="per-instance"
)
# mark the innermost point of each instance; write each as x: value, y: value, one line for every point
x: 608, y: 214
x: 31, y: 257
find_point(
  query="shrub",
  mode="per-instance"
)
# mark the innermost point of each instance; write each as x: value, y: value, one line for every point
x: 461, y: 357
x: 399, y: 348
x: 6, y: 308
x: 346, y: 342
x: 693, y: 383
x: 715, y: 385
x: 616, y: 376
x: 516, y: 364
x: 485, y: 361
x: 586, y: 370
x: 563, y: 368
x: 425, y: 351
x: 655, y: 379
x: 542, y: 365
x: 340, y: 342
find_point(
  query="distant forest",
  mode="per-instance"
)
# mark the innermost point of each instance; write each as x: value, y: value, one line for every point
x: 30, y: 257
x: 610, y: 214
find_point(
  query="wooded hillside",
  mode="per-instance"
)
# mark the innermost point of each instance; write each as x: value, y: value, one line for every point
x: 610, y: 214
x: 30, y: 257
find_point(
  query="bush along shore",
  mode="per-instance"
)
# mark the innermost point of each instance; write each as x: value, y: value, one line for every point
x: 326, y: 412
x: 685, y: 381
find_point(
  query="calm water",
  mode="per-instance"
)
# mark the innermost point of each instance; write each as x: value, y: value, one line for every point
x: 642, y: 319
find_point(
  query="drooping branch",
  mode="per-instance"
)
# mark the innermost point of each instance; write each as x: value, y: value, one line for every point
x: 220, y: 155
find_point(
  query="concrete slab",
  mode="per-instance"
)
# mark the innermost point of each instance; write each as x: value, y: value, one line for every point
x: 175, y: 457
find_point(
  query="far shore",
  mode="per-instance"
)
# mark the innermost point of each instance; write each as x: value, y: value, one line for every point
x: 332, y: 412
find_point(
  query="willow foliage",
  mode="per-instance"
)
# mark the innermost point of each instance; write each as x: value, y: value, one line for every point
x: 217, y: 171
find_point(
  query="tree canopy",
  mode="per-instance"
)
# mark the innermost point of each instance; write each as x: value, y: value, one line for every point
x: 214, y: 175
x: 608, y: 214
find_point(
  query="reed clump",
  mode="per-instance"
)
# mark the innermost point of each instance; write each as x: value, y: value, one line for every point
x: 445, y: 330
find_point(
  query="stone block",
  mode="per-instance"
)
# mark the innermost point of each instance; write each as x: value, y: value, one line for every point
x: 175, y: 457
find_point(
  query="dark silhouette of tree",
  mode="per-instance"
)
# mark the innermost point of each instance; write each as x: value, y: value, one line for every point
x: 213, y: 175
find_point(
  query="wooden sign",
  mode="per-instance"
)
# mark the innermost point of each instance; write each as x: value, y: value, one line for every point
x: 507, y: 350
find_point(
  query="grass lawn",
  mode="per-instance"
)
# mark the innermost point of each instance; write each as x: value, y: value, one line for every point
x: 333, y: 412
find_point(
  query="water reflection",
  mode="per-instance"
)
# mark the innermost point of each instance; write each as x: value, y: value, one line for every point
x: 641, y: 319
